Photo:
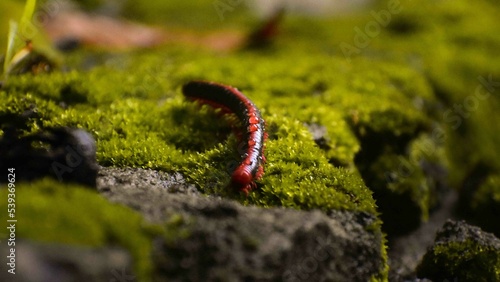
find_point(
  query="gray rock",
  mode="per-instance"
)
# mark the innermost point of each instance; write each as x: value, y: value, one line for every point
x: 60, y: 263
x: 117, y: 180
x: 68, y: 154
x: 221, y: 240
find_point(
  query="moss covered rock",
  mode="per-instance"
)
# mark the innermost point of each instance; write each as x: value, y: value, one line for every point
x: 456, y: 48
x: 222, y: 240
x: 52, y: 212
x: 462, y: 252
x: 132, y: 131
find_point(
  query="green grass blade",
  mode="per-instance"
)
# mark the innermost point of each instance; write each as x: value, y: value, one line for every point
x: 9, y: 53
x: 29, y: 9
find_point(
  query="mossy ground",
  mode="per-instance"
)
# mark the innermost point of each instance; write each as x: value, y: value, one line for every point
x: 145, y: 122
x: 376, y: 104
x: 51, y: 212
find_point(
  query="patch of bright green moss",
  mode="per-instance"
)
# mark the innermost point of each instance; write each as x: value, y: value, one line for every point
x: 150, y: 125
x: 49, y: 211
x: 297, y: 177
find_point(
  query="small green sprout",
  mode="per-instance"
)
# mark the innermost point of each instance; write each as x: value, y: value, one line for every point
x: 15, y: 39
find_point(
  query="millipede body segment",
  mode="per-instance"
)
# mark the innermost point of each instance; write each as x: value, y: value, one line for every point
x: 230, y: 100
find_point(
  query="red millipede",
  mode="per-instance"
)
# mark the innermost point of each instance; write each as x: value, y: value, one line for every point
x: 230, y: 100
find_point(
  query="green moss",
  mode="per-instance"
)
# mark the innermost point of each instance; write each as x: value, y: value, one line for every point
x: 463, y: 50
x: 451, y: 43
x: 49, y: 211
x: 464, y: 261
x: 297, y: 177
x: 144, y: 122
x: 384, y: 273
x: 485, y: 204
x: 151, y: 126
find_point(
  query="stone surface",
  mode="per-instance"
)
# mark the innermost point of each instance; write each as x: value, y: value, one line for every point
x: 64, y: 153
x: 57, y: 263
x: 229, y: 242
